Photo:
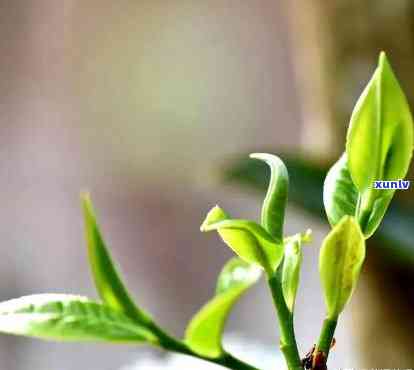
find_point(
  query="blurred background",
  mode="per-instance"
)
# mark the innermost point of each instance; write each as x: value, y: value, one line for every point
x: 153, y: 106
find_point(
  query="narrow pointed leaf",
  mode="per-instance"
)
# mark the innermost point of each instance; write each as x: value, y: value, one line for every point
x: 246, y: 238
x: 69, y: 318
x: 340, y: 261
x: 110, y: 287
x: 291, y: 269
x: 204, y: 332
x: 274, y: 205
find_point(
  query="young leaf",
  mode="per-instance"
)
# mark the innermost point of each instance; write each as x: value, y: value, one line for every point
x: 274, y: 205
x: 340, y: 261
x: 69, y: 318
x: 107, y: 280
x: 204, y: 332
x: 291, y: 269
x: 380, y: 137
x: 246, y: 238
x: 379, y: 208
x: 340, y: 196
x: 379, y: 142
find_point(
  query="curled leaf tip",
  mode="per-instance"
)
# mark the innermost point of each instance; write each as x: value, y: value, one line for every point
x: 216, y: 214
x: 274, y: 204
x: 272, y: 160
x: 264, y: 157
x: 255, y: 155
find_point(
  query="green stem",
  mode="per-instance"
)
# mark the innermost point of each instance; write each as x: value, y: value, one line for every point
x: 288, y: 344
x: 326, y: 337
x: 227, y: 360
x: 173, y: 345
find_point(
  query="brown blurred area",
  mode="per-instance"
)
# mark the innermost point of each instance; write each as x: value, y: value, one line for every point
x: 139, y: 102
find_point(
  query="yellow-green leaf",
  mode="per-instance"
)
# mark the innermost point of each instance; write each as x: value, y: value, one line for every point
x: 204, y: 332
x: 340, y: 261
x: 291, y: 269
x: 379, y: 143
x: 247, y: 239
x: 380, y: 137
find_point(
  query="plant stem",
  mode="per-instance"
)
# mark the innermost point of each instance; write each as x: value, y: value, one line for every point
x: 231, y: 362
x: 288, y: 344
x: 327, y: 335
x: 325, y: 340
x: 173, y: 345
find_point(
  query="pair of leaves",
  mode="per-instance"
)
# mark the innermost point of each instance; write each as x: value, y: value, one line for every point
x: 379, y: 147
x: 341, y: 198
x: 205, y: 331
x: 340, y: 261
x: 73, y: 318
x: 261, y: 245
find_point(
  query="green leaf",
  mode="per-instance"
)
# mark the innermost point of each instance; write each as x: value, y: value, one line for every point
x: 204, y: 332
x: 291, y: 269
x: 247, y: 239
x: 69, y: 318
x: 305, y: 179
x: 107, y: 280
x: 340, y: 261
x: 380, y: 136
x: 274, y: 205
x: 340, y: 196
x: 379, y: 208
x: 379, y: 140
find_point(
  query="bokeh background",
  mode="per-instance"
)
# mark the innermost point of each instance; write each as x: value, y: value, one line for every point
x: 153, y: 106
